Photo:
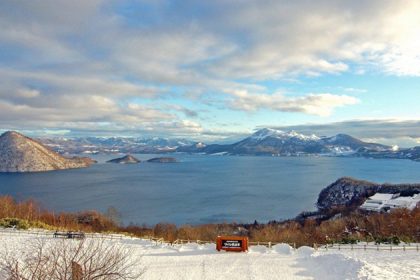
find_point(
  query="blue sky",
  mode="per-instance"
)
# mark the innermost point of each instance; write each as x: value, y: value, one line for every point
x: 211, y: 70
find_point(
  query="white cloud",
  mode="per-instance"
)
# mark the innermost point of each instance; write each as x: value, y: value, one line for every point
x: 321, y: 104
x: 354, y: 90
x: 27, y: 93
x: 304, y: 37
x: 82, y: 84
x: 81, y: 62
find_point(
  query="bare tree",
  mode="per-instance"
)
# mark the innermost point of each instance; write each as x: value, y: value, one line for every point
x: 114, y: 215
x: 56, y: 260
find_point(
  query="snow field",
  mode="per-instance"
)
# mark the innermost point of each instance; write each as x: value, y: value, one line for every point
x: 202, y: 261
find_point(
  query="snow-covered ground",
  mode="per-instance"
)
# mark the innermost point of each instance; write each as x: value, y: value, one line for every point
x: 194, y: 261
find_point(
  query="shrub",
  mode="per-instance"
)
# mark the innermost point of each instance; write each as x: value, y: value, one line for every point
x: 14, y: 223
x: 399, y: 223
x: 388, y: 240
x: 166, y: 231
x: 62, y: 260
x: 349, y: 240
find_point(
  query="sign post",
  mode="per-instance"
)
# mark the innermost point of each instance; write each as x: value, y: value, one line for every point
x: 232, y: 243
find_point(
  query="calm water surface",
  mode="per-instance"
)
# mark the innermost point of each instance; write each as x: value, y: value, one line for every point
x: 201, y: 189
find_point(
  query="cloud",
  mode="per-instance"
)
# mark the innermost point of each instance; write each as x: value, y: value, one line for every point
x: 260, y: 41
x: 116, y: 62
x: 283, y: 38
x: 186, y: 111
x: 321, y: 104
x: 60, y: 111
x: 354, y: 90
x: 89, y: 83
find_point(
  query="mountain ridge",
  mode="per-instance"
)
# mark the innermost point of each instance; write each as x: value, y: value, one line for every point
x: 264, y: 142
x: 280, y: 143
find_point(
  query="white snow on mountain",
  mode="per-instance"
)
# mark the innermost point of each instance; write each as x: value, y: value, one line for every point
x: 341, y: 150
x: 279, y: 134
x: 200, y: 145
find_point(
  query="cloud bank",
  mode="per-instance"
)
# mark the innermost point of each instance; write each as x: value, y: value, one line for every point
x: 124, y: 64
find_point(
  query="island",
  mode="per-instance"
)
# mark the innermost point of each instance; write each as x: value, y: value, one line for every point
x: 128, y: 159
x: 163, y: 160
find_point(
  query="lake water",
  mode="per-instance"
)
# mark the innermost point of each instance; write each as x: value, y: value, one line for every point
x: 201, y: 189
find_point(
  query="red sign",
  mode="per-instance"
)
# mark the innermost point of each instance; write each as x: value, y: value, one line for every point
x: 232, y: 243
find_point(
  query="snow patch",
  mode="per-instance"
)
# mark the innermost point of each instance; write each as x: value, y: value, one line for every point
x: 331, y: 266
x: 258, y: 249
x: 305, y: 251
x: 285, y: 249
x: 279, y: 134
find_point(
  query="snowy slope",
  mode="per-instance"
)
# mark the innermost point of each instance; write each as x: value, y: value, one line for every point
x: 279, y: 134
x: 274, y: 142
x: 193, y: 261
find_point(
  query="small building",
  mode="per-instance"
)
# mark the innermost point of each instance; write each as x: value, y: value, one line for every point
x: 408, y: 202
x: 378, y: 201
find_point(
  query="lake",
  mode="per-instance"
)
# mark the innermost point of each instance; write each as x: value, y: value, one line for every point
x: 201, y: 189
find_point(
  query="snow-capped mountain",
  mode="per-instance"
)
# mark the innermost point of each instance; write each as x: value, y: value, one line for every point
x: 344, y: 140
x: 89, y: 145
x: 268, y: 141
x: 279, y: 134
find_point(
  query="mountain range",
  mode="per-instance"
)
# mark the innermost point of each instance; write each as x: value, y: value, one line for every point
x: 264, y: 142
x: 95, y: 145
x: 19, y: 153
x: 274, y: 142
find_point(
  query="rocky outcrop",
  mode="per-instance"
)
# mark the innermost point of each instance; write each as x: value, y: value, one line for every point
x: 163, y: 160
x: 349, y: 192
x: 128, y: 159
x: 19, y: 153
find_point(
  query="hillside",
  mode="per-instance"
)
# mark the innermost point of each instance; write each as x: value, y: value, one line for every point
x: 19, y: 153
x: 349, y: 192
x: 127, y: 145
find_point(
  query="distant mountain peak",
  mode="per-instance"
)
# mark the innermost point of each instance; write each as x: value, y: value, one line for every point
x: 12, y: 134
x: 344, y: 136
x: 275, y: 142
x: 280, y: 134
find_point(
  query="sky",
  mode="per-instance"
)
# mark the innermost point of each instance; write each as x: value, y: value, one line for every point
x: 211, y: 70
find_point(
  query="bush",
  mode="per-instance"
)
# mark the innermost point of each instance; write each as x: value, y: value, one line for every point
x: 166, y: 231
x: 388, y: 240
x: 14, y: 223
x: 349, y: 240
x: 63, y: 260
x: 398, y: 225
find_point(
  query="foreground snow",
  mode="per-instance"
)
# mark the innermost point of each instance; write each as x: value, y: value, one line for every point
x: 194, y: 261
